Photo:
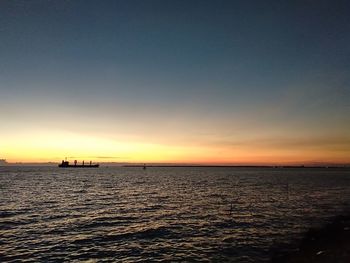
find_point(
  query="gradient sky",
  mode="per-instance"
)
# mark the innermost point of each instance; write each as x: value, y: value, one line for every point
x: 175, y: 81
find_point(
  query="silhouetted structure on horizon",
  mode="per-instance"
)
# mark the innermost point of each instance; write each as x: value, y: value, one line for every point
x: 65, y: 164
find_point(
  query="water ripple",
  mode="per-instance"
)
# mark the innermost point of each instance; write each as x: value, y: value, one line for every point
x: 49, y: 214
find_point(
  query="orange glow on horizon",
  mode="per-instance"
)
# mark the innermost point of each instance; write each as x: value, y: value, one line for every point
x: 53, y: 147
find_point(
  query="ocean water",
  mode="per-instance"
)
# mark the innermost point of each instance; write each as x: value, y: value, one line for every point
x: 162, y: 214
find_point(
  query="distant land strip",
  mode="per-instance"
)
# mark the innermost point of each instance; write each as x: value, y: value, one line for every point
x: 237, y: 166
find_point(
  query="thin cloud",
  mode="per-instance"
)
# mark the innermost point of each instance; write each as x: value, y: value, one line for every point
x: 97, y: 157
x: 108, y: 157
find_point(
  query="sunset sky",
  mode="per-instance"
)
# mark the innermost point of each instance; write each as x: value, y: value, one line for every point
x: 231, y: 82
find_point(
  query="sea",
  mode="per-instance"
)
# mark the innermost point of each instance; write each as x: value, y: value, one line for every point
x: 162, y: 214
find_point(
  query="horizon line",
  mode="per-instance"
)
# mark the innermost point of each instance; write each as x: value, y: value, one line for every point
x: 197, y: 164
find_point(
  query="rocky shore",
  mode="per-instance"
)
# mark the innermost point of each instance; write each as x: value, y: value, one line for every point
x: 330, y: 243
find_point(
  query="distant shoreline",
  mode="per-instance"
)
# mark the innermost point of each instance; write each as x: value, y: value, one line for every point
x: 235, y: 166
x: 51, y: 164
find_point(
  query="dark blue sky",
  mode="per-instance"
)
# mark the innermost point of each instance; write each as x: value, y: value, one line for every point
x: 222, y: 68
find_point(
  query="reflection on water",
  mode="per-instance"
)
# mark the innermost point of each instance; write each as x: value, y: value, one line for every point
x: 161, y: 214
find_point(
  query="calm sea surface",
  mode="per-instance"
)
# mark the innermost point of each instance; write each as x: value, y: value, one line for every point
x: 161, y: 214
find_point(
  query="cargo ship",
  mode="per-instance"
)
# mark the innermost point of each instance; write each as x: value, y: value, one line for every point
x: 65, y: 164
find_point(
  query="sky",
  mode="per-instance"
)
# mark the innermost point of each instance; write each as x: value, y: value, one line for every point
x: 231, y: 82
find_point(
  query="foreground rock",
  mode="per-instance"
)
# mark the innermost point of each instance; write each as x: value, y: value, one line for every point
x: 328, y: 244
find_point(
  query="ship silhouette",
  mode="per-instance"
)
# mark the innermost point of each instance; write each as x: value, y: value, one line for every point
x: 65, y: 164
